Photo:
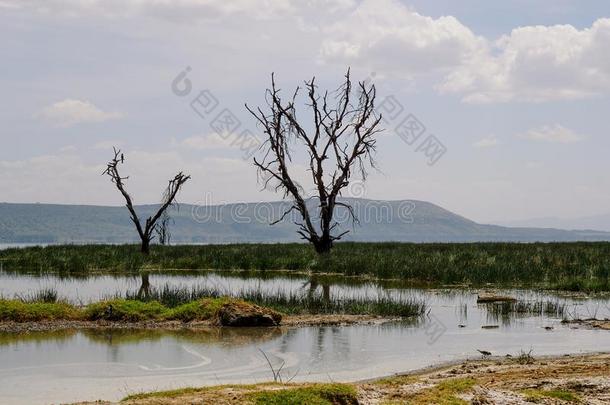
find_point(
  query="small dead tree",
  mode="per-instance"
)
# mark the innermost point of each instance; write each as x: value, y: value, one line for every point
x: 342, y: 139
x: 150, y: 225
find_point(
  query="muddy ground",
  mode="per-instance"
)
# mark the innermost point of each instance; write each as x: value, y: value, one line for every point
x: 603, y: 324
x: 287, y: 321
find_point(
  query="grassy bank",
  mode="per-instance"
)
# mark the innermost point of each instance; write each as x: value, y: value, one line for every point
x: 112, y: 310
x: 311, y: 394
x: 186, y: 305
x: 570, y: 266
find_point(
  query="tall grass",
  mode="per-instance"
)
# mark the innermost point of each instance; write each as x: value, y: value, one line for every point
x: 46, y: 295
x: 574, y: 266
x: 553, y: 309
x: 288, y: 302
x: 292, y: 303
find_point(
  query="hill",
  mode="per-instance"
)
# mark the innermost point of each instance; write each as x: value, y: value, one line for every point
x: 402, y: 221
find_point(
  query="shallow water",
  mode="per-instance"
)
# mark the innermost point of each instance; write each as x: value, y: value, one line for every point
x: 20, y: 245
x: 41, y: 368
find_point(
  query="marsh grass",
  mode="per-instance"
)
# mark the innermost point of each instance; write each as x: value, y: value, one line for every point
x: 47, y: 294
x: 549, y: 308
x: 290, y: 302
x: 196, y: 303
x: 525, y: 358
x: 574, y: 266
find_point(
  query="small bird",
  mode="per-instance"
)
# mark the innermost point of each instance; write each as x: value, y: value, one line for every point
x: 548, y: 328
x: 485, y: 353
x: 122, y: 158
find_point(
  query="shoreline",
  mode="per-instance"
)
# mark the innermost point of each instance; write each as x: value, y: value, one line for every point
x: 553, y: 379
x: 288, y: 321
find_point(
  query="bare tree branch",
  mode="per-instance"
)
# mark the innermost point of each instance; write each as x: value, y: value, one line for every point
x: 169, y: 199
x: 343, y: 139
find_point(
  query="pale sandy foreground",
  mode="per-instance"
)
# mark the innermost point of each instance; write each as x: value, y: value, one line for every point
x: 515, y: 380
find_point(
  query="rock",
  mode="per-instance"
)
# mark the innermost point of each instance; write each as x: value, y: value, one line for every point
x: 484, y: 298
x: 244, y: 314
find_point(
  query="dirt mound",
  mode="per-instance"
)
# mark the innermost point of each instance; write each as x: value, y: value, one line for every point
x: 244, y: 314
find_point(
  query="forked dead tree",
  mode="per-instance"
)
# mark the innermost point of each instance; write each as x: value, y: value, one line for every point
x: 146, y: 230
x: 342, y: 139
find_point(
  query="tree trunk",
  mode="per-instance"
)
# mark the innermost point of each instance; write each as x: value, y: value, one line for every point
x: 145, y: 249
x: 144, y: 291
x: 313, y: 286
x: 323, y: 246
x: 326, y: 292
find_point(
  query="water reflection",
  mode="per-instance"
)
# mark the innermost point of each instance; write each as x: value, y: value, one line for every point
x: 461, y: 302
x: 144, y: 290
x: 66, y: 366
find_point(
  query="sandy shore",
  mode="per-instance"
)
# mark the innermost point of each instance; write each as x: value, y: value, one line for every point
x: 287, y: 321
x: 519, y: 380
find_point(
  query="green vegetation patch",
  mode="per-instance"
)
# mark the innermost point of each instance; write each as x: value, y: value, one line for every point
x: 124, y: 310
x: 116, y: 310
x: 19, y: 311
x: 568, y: 266
x: 318, y: 394
x: 534, y: 395
x: 445, y: 392
x: 135, y: 311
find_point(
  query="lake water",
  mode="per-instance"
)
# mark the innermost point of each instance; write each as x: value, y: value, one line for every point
x: 42, y: 368
x: 19, y: 245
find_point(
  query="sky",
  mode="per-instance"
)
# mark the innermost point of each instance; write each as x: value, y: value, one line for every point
x: 513, y: 95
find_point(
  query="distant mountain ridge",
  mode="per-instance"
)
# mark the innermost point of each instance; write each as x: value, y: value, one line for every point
x: 593, y: 222
x: 399, y: 221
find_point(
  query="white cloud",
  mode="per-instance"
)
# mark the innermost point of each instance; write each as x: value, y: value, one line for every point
x: 70, y: 112
x: 387, y: 35
x: 552, y: 133
x: 536, y: 64
x: 531, y: 63
x: 486, y: 142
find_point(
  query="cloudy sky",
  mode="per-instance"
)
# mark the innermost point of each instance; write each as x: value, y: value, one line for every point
x: 516, y: 92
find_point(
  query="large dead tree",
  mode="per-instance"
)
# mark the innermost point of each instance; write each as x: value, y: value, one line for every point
x: 146, y: 230
x: 340, y: 140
